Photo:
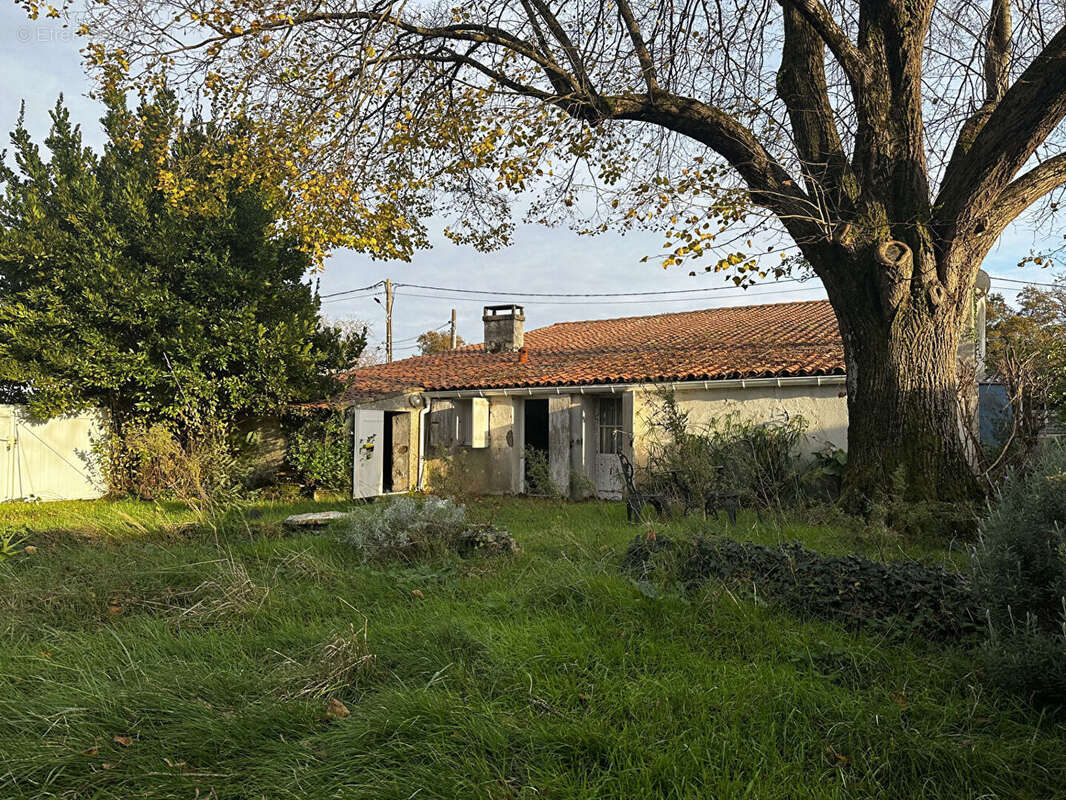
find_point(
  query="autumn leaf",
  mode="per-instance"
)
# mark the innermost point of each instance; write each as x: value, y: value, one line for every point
x: 336, y: 709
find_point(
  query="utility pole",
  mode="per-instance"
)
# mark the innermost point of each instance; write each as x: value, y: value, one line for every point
x: 452, y: 340
x: 388, y: 320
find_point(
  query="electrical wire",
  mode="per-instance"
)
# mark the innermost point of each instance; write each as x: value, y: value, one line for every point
x: 580, y: 294
x: 1026, y: 283
x: 660, y: 293
x: 358, y: 297
x: 618, y: 302
x: 353, y: 291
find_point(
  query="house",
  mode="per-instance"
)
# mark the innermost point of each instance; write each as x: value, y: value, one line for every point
x: 579, y: 391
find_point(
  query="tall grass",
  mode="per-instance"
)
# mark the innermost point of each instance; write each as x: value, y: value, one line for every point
x: 547, y: 675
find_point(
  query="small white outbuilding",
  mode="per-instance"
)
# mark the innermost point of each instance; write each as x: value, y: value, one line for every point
x: 581, y: 392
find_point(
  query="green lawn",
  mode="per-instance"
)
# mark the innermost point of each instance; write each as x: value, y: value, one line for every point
x: 139, y: 660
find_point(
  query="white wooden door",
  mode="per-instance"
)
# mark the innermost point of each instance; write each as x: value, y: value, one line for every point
x: 609, y: 433
x: 368, y: 428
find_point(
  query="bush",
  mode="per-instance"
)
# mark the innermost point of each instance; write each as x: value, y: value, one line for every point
x: 756, y: 461
x: 930, y: 520
x: 450, y: 473
x: 320, y: 450
x: 1020, y: 579
x: 198, y: 465
x: 902, y: 597
x: 539, y: 479
x: 408, y: 529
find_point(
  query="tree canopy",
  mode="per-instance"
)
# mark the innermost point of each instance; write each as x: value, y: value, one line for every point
x: 1033, y: 334
x: 884, y: 143
x: 112, y: 294
x: 432, y: 342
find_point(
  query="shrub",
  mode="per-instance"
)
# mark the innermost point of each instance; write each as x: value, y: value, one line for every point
x: 1020, y: 579
x: 824, y: 476
x: 197, y: 466
x: 451, y: 474
x: 407, y: 529
x: 539, y: 479
x: 902, y: 597
x: 757, y: 461
x: 320, y: 450
x: 932, y: 520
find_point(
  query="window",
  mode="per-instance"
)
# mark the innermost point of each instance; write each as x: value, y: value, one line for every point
x: 459, y: 422
x: 610, y: 418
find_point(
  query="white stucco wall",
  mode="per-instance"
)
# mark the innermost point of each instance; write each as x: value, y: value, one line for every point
x: 824, y: 408
x: 497, y: 468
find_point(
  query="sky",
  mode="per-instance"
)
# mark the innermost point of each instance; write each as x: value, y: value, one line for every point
x: 39, y: 60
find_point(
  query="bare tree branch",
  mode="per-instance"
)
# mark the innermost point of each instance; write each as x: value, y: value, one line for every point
x: 1022, y: 120
x: 850, y: 58
x: 647, y: 66
x: 1024, y: 191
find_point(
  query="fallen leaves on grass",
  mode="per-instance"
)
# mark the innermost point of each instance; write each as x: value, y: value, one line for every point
x: 335, y: 709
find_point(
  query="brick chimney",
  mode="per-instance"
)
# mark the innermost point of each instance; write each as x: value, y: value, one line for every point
x: 503, y: 328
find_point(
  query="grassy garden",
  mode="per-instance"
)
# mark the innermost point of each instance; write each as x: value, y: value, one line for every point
x: 146, y: 656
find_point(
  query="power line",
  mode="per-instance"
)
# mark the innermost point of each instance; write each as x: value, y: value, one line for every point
x: 1026, y: 283
x: 489, y: 292
x: 353, y: 291
x: 578, y: 294
x: 358, y: 297
x: 619, y: 302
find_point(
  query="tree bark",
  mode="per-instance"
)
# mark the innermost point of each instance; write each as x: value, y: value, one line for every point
x: 904, y: 422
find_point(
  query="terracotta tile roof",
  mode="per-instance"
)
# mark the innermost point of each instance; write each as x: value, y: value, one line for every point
x: 777, y: 340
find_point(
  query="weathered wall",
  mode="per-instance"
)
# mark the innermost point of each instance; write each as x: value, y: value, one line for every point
x: 823, y: 407
x: 495, y: 469
x: 573, y: 434
x: 50, y: 460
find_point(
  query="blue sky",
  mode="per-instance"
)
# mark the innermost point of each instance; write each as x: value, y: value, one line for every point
x: 40, y: 59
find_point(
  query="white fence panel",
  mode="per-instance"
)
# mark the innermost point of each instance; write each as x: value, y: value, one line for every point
x: 48, y: 460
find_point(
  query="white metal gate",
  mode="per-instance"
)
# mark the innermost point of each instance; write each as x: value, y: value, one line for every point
x: 50, y: 460
x: 7, y: 452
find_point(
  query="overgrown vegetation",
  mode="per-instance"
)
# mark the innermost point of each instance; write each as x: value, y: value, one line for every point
x: 139, y: 660
x: 408, y: 529
x: 450, y: 473
x: 1020, y: 577
x: 155, y: 461
x: 755, y: 461
x: 538, y: 473
x: 903, y: 597
x: 319, y: 449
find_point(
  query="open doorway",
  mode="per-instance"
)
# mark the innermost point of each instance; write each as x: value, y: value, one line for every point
x: 535, y: 430
x: 396, y: 448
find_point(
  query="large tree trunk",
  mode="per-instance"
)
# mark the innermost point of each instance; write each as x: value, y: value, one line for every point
x: 904, y: 421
